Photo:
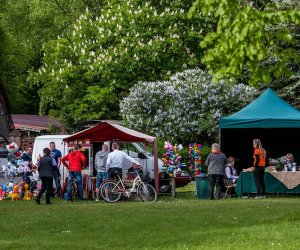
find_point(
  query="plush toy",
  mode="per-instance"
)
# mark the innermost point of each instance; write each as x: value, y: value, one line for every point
x: 172, y: 157
x: 21, y: 166
x: 22, y: 193
x: 12, y: 148
x: 16, y: 194
x: 4, y: 191
x: 13, y: 153
x: 1, y: 192
x: 26, y: 166
x: 27, y: 195
x: 10, y: 187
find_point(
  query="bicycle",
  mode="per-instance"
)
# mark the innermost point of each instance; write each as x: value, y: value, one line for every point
x: 112, y: 190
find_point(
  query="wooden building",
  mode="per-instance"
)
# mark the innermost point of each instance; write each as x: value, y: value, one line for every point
x: 6, y: 122
x: 27, y: 127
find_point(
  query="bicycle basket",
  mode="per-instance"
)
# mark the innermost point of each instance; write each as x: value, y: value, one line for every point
x: 146, y: 177
x: 130, y: 176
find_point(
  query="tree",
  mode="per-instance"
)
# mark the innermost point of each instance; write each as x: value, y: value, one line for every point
x: 87, y: 70
x: 185, y: 108
x: 254, y: 40
x: 25, y: 25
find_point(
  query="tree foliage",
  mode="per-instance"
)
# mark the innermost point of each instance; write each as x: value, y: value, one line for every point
x: 254, y: 40
x: 87, y: 70
x: 185, y: 108
x: 24, y: 26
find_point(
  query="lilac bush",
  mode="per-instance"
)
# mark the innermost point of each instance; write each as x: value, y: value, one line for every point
x: 186, y: 107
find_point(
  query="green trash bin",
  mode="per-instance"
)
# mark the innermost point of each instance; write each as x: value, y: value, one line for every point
x: 202, y: 185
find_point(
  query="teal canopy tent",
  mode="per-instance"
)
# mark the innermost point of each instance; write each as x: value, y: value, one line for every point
x: 268, y: 118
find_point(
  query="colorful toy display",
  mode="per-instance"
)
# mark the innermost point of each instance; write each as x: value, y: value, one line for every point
x: 172, y: 158
x: 16, y: 194
x: 15, y: 166
x: 27, y: 195
x: 195, y: 158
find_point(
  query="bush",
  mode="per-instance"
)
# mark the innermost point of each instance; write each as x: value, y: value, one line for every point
x: 184, y: 109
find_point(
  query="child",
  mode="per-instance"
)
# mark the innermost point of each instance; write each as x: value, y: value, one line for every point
x: 288, y: 164
x: 230, y: 171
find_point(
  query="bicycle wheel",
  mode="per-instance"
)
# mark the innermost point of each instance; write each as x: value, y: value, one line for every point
x: 73, y: 191
x: 146, y: 192
x: 109, y: 191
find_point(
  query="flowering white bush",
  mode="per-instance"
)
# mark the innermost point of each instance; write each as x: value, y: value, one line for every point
x: 185, y: 108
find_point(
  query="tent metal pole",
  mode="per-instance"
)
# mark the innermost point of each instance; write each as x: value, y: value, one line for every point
x: 220, y: 137
x: 156, y: 175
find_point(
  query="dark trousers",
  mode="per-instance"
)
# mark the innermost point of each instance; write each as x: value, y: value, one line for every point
x: 47, y: 185
x: 57, y: 183
x: 259, y: 180
x: 215, y: 180
x: 26, y: 177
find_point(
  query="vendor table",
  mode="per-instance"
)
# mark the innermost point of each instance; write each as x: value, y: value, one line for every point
x: 274, y: 183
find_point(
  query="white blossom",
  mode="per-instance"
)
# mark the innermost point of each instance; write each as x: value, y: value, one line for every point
x: 177, y: 108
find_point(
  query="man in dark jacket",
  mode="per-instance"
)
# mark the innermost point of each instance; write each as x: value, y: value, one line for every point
x: 46, y: 171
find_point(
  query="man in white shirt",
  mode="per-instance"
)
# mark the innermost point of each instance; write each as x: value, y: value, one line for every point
x: 115, y: 160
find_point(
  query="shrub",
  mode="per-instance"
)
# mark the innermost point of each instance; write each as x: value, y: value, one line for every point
x: 185, y: 108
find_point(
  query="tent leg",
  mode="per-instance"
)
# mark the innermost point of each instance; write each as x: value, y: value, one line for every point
x: 220, y: 140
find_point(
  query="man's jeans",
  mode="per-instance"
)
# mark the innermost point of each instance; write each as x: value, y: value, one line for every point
x: 57, y: 183
x: 78, y: 177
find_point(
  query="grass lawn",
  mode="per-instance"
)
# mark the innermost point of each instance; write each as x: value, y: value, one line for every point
x: 182, y: 223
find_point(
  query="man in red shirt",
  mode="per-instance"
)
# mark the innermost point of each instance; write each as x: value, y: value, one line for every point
x: 77, y: 162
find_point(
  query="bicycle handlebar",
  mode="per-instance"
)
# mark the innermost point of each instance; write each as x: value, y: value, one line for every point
x: 136, y: 170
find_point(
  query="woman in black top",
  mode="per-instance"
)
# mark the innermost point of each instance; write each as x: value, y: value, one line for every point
x: 46, y: 171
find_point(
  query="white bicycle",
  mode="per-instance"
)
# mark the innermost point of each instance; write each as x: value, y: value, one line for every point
x: 112, y: 190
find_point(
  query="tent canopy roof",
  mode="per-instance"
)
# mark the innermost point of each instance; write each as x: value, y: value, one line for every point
x: 267, y: 111
x: 108, y: 132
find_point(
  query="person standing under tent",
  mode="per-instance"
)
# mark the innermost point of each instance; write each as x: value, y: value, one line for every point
x: 259, y: 165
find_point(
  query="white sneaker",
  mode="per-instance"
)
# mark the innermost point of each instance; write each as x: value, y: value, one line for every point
x: 97, y: 200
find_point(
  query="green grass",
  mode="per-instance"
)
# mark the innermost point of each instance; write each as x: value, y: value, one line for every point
x: 182, y: 223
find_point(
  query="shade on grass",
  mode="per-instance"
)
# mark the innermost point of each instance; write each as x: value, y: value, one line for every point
x: 182, y: 223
